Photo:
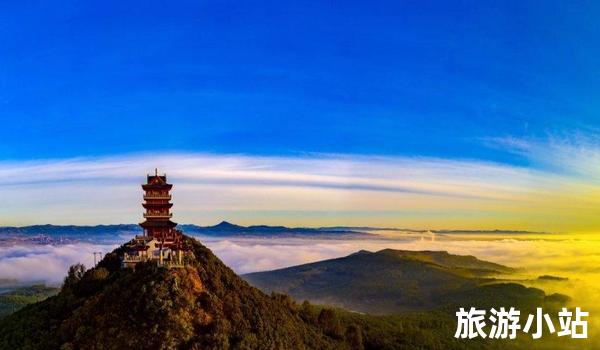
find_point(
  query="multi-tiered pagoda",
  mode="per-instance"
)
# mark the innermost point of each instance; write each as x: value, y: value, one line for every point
x: 160, y: 242
x: 157, y: 202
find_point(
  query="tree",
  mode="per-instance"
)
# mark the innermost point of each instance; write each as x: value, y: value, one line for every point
x: 330, y: 323
x: 354, y: 337
x: 74, y: 275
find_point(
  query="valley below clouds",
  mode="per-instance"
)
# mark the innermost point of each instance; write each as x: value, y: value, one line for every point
x: 571, y: 256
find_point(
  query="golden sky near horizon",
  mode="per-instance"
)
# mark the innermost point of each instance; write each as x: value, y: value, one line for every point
x: 312, y: 190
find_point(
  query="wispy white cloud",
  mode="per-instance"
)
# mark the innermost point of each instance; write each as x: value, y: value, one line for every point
x: 578, y: 154
x: 309, y: 190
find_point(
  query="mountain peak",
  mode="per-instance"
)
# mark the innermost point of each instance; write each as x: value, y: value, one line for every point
x: 226, y: 224
x: 203, y: 305
x: 376, y: 282
x: 361, y: 252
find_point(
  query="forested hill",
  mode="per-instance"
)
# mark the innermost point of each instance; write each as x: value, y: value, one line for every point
x: 207, y: 306
x: 395, y: 281
x: 203, y: 306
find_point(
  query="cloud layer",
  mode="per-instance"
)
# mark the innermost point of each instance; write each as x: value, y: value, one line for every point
x: 45, y: 263
x: 574, y: 257
x: 310, y: 190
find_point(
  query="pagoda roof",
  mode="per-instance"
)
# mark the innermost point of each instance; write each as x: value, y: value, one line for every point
x: 162, y: 178
x: 158, y: 223
x: 156, y: 186
x: 154, y: 204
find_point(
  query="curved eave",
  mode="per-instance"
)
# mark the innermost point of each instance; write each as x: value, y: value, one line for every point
x: 158, y: 223
x: 155, y: 205
x: 147, y: 187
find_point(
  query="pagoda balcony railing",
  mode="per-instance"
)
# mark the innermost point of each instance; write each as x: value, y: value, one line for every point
x: 134, y: 258
x: 170, y: 215
x: 157, y: 196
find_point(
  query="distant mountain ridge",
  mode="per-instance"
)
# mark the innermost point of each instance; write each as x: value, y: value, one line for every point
x: 69, y: 229
x: 439, y: 231
x: 224, y: 228
x: 395, y: 281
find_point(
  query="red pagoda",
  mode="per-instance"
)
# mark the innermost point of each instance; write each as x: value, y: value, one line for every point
x: 158, y: 204
x: 160, y: 242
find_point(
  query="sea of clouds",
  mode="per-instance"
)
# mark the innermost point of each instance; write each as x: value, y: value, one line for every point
x: 562, y: 255
x: 45, y: 263
x: 573, y: 256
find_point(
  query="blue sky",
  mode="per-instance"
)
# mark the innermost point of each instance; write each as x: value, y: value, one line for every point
x: 418, y: 78
x: 421, y: 114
